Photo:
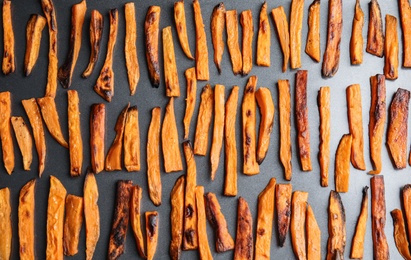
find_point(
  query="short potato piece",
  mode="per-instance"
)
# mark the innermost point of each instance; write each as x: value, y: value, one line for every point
x: 72, y: 224
x: 26, y: 218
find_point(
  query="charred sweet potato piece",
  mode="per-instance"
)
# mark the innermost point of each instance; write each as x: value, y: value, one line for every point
x: 266, y: 105
x: 400, y: 236
x: 246, y: 21
x: 397, y: 128
x: 283, y: 194
x: 169, y: 140
x: 391, y: 47
x: 5, y: 131
x: 9, y: 60
x: 170, y: 65
x: 201, y: 44
x: 132, y: 141
x: 34, y: 30
x: 218, y: 131
x: 342, y: 164
x: 97, y: 136
x: 120, y: 220
x: 331, y: 58
x: 130, y: 49
x: 284, y: 111
x: 223, y: 239
x: 91, y: 214
x: 75, y: 139
x: 5, y: 224
x: 203, y: 121
x: 406, y: 200
x: 191, y: 97
x: 72, y: 224
x: 313, y: 235
x: 180, y: 20
x: 296, y: 25
x: 135, y: 219
x: 312, y: 47
x: 176, y: 218
x: 281, y: 24
x: 357, y: 244
x: 244, y: 244
x: 375, y: 36
x: 405, y: 15
x: 151, y: 31
x: 357, y: 41
x: 336, y: 227
x: 153, y: 157
x: 378, y: 218
x: 297, y: 224
x: 26, y: 211
x: 203, y: 246
x: 263, y: 39
x: 325, y: 128
x: 96, y: 32
x: 231, y: 23
x: 217, y: 30
x: 152, y: 229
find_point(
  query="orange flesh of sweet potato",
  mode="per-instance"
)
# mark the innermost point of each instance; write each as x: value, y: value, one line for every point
x: 203, y: 246
x: 263, y: 38
x: 176, y: 218
x: 97, y: 136
x: 391, y: 47
x: 130, y: 49
x: 405, y: 15
x: 201, y: 44
x: 218, y: 131
x: 266, y: 106
x: 406, y: 200
x: 325, y: 129
x: 180, y: 20
x: 132, y: 141
x: 96, y: 32
x: 375, y: 36
x: 283, y: 194
x: 247, y: 43
x: 151, y: 31
x: 5, y: 131
x: 203, y: 121
x: 217, y: 30
x: 284, y: 111
x: 232, y: 41
x: 244, y: 244
x: 91, y: 214
x: 400, y: 236
x: 281, y: 24
x: 357, y: 244
x: 9, y: 60
x: 170, y: 65
x: 153, y: 157
x: 313, y: 235
x: 378, y: 218
x: 297, y: 224
x: 34, y: 30
x: 296, y: 24
x: 5, y: 224
x: 26, y: 210
x: 72, y: 224
x: 135, y: 219
x: 191, y: 97
x: 169, y: 141
x: 75, y: 139
x: 336, y: 227
x: 357, y: 41
x: 342, y: 164
x: 312, y: 47
x: 152, y: 228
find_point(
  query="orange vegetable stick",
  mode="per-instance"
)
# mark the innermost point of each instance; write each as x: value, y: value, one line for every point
x: 283, y: 194
x: 336, y: 227
x: 9, y: 59
x: 405, y: 15
x: 72, y: 224
x: 26, y: 215
x: 357, y: 244
x: 24, y: 140
x: 91, y: 214
x: 191, y: 80
x: 151, y: 30
x: 284, y: 111
x: 378, y: 218
x: 296, y: 24
x: 218, y: 131
x: 281, y: 25
x: 180, y: 20
x: 232, y: 41
x: 153, y: 157
x: 375, y: 36
x: 247, y: 43
x: 201, y: 44
x: 325, y: 127
x: 5, y: 224
x: 357, y: 41
x: 131, y: 141
x: 217, y: 30
x: 297, y: 224
x: 203, y: 121
x: 170, y: 65
x: 97, y: 136
x: 266, y: 106
x: 152, y: 229
x: 263, y: 38
x: 177, y: 218
x: 130, y: 49
x: 342, y: 164
x: 5, y: 131
x: 135, y: 219
x: 203, y: 246
x: 312, y: 47
x: 244, y: 244
x: 313, y: 235
x: 391, y: 47
x: 75, y: 139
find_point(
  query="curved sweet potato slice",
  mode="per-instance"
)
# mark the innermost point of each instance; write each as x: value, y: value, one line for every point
x: 281, y: 24
x: 400, y: 236
x: 135, y: 219
x: 152, y: 229
x: 169, y: 140
x: 297, y: 224
x: 325, y: 128
x: 7, y: 145
x: 357, y: 244
x: 217, y: 30
x: 263, y: 39
x: 203, y: 121
x: 312, y: 47
x: 130, y: 49
x: 391, y: 47
x: 91, y: 213
x: 203, y: 246
x: 151, y: 31
x: 5, y: 224
x: 75, y: 139
x: 378, y: 218
x: 9, y: 59
x: 296, y: 25
x: 266, y: 106
x: 375, y: 36
x: 336, y: 227
x: 191, y: 97
x: 331, y: 58
x: 97, y: 136
x: 357, y: 41
x: 218, y: 131
x: 201, y: 44
x: 153, y: 157
x: 26, y: 211
x: 244, y: 243
x: 180, y: 20
x: 176, y: 218
x: 96, y: 32
x: 342, y: 164
x: 34, y: 30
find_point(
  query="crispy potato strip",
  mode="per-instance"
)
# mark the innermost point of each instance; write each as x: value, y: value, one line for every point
x: 296, y: 25
x: 169, y: 140
x: 5, y: 224
x: 313, y: 233
x: 170, y: 65
x: 91, y: 214
x: 203, y: 246
x: 201, y: 44
x: 217, y: 30
x: 331, y: 58
x: 232, y: 41
x: 132, y: 141
x: 75, y: 139
x: 284, y: 111
x: 357, y: 244
x: 281, y: 24
x: 218, y: 131
x: 266, y: 106
x: 151, y: 31
x: 153, y: 157
x: 342, y: 164
x: 391, y: 47
x: 297, y: 224
x: 244, y: 244
x: 72, y: 224
x: 176, y: 218
x: 263, y: 39
x: 9, y: 60
x: 405, y: 15
x: 406, y: 200
x: 5, y: 131
x: 325, y: 129
x: 283, y: 194
x: 34, y: 30
x: 312, y: 47
x: 247, y: 43
x: 336, y: 227
x: 180, y: 20
x: 152, y: 228
x: 203, y: 121
x: 375, y: 36
x: 400, y: 236
x: 357, y: 41
x: 96, y: 32
x: 130, y: 49
x: 378, y: 218
x: 135, y: 219
x: 191, y: 82
x: 26, y: 211
x: 97, y: 136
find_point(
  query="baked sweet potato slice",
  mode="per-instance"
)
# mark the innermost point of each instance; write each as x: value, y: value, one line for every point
x: 7, y: 145
x: 323, y: 101
x: 244, y: 243
x: 217, y: 30
x: 391, y: 47
x: 281, y: 24
x: 96, y: 32
x: 132, y: 141
x: 378, y: 218
x: 176, y: 218
x: 169, y: 140
x: 170, y: 65
x: 331, y: 58
x: 191, y: 86
x: 342, y: 164
x: 266, y: 105
x: 312, y: 47
x: 297, y: 224
x: 9, y: 59
x: 135, y: 219
x: 375, y: 36
x: 357, y: 41
x: 336, y: 227
x: 296, y: 25
x: 34, y: 29
x: 180, y: 20
x: 26, y: 222
x: 203, y: 246
x: 91, y: 213
x: 151, y: 31
x: 130, y: 49
x: 313, y: 235
x: 378, y: 115
x: 263, y: 39
x: 246, y: 21
x: 284, y: 112
x: 218, y: 130
x: 72, y: 224
x: 205, y: 112
x: 406, y: 200
x: 153, y: 157
x: 231, y: 23
x: 75, y: 139
x: 97, y: 136
x: 357, y: 244
x: 400, y: 235
x: 283, y: 194
x: 405, y: 15
x: 5, y: 224
x: 152, y: 229
x: 201, y: 44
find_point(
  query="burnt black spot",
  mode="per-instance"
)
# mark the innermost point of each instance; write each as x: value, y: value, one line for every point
x: 189, y: 211
x: 152, y: 224
x: 189, y: 236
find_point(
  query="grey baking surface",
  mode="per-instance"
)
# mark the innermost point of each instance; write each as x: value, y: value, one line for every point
x: 146, y: 97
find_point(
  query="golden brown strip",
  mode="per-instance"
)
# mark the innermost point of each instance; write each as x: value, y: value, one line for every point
x: 313, y: 233
x: 24, y: 140
x: 96, y: 32
x: 406, y: 201
x: 218, y: 131
x: 248, y: 107
x: 391, y: 47
x: 153, y: 157
x: 405, y: 15
x: 247, y: 43
x: 217, y: 30
x: 203, y: 246
x: 297, y: 224
x: 48, y: 110
x: 265, y: 221
x: 34, y: 30
x: 266, y: 106
x: 151, y: 31
x: 113, y: 158
x: 342, y: 164
x: 357, y: 41
x: 312, y: 47
x: 152, y: 228
x: 325, y: 127
x: 105, y: 83
x: 357, y: 244
x: 230, y: 143
x: 190, y: 232
x: 26, y: 211
x: 33, y: 113
x: 398, y: 128
x: 375, y: 36
x: 180, y: 20
x: 132, y: 141
x: 378, y: 218
x: 191, y: 80
x: 72, y: 224
x: 201, y: 44
x: 283, y: 194
x: 170, y: 65
x: 176, y: 218
x: 5, y: 224
x: 135, y: 219
x: 130, y: 49
x: 203, y: 121
x: 296, y: 24
x: 9, y: 60
x: 263, y: 39
x: 336, y: 227
x: 75, y: 139
x: 120, y: 220
x: 224, y: 241
x: 284, y: 111
x: 331, y: 58
x: 55, y: 219
x: 281, y: 24
x: 5, y: 131
x: 91, y: 214
x: 169, y: 140
x: 400, y: 236
x: 97, y: 136
x: 232, y: 41
x: 65, y: 73
x: 244, y: 244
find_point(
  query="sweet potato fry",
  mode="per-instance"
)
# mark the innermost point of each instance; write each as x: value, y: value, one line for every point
x: 91, y: 214
x: 263, y: 38
x: 5, y: 224
x: 153, y: 157
x: 354, y: 106
x: 48, y: 110
x: 26, y: 211
x: 130, y: 49
x: 246, y: 21
x: 203, y: 121
x: 223, y: 239
x: 96, y: 32
x: 323, y: 101
x: 405, y: 15
x: 397, y: 128
x: 75, y: 139
x: 34, y: 30
x: 266, y: 106
x: 265, y: 221
x: 296, y: 25
x: 5, y: 131
x: 191, y: 80
x: 378, y: 218
x: 105, y: 82
x: 203, y: 246
x: 72, y: 224
x: 135, y: 219
x: 375, y: 36
x: 357, y: 41
x: 336, y: 227
x: 97, y: 136
x: 169, y: 140
x: 190, y: 232
x: 201, y: 44
x: 151, y: 31
x: 297, y: 224
x: 170, y: 65
x: 65, y: 73
x: 217, y: 30
x: 281, y: 24
x: 9, y: 60
x: 113, y: 158
x: 406, y: 200
x: 230, y: 143
x: 284, y: 111
x: 33, y: 113
x: 248, y: 107
x: 357, y: 244
x: 180, y: 20
x: 218, y: 131
x: 132, y: 141
x: 283, y: 194
x: 313, y: 234
x: 331, y: 58
x: 232, y: 41
x: 312, y: 47
x: 176, y: 218
x: 120, y: 220
x: 400, y: 236
x: 244, y: 244
x: 342, y: 164
x: 152, y: 228
x: 55, y: 219
x: 391, y: 47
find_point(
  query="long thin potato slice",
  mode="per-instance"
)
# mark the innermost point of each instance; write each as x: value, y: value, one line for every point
x: 91, y: 214
x: 313, y: 234
x: 191, y: 81
x: 34, y: 30
x: 406, y: 200
x: 105, y: 83
x: 120, y: 220
x: 398, y: 128
x: 266, y: 106
x: 33, y: 113
x: 231, y: 23
x: 75, y: 139
x: 55, y: 219
x: 180, y: 20
x: 203, y: 246
x: 325, y: 128
x: 248, y: 107
x: 230, y: 143
x: 169, y: 140
x: 391, y: 47
x: 170, y: 65
x: 244, y: 244
x: 130, y: 49
x: 5, y: 224
x: 375, y: 36
x: 224, y: 241
x: 281, y: 24
x: 296, y: 25
x: 336, y: 227
x: 297, y: 224
x: 246, y: 21
x: 65, y: 73
x: 331, y: 58
x: 265, y: 221
x: 135, y: 219
x: 153, y: 157
x: 26, y: 211
x: 217, y: 30
x: 218, y: 131
x: 152, y: 229
x: 9, y: 60
x: 405, y: 15
x: 48, y: 110
x: 203, y: 121
x: 357, y: 244
x: 284, y: 111
x: 113, y: 158
x: 72, y: 224
x: 97, y: 136
x: 5, y: 131
x: 190, y: 232
x: 177, y: 218
x: 132, y: 141
x: 263, y: 39
x: 151, y: 31
x: 312, y: 47
x: 342, y: 164
x: 357, y: 41
x: 96, y: 32
x: 378, y: 218
x: 283, y: 194
x: 201, y: 44
x: 400, y: 236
